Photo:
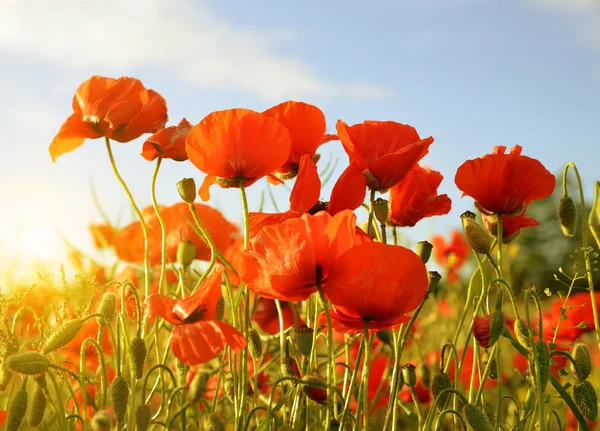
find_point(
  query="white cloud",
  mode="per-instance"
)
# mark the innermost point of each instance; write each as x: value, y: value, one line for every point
x: 185, y: 38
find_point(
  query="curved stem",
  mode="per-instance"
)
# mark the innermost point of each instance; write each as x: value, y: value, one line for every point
x: 163, y: 227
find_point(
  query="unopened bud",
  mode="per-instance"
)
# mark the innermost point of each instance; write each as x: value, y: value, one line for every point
x: 28, y: 363
x: 440, y: 382
x: 187, y: 190
x: 63, y: 336
x: 229, y: 384
x: 138, y: 352
x: 433, y: 278
x: 487, y: 359
x: 289, y: 368
x: 17, y: 407
x: 219, y: 309
x: 38, y: 407
x: 477, y: 237
x: 423, y: 250
x: 586, y: 399
x: 410, y: 375
x: 583, y: 361
x: 198, y: 387
x: 425, y: 374
x: 477, y: 419
x: 119, y: 392
x: 142, y: 417
x: 315, y: 389
x: 542, y: 365
x: 385, y: 337
x: 186, y: 253
x: 254, y: 344
x: 522, y: 333
x: 304, y: 339
x: 380, y: 208
x: 107, y: 308
x: 567, y: 216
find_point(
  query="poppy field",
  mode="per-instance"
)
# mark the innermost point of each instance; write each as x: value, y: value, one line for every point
x: 318, y: 316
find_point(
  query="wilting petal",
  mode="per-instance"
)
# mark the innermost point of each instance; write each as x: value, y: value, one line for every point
x: 162, y: 306
x: 307, y: 188
x: 168, y: 143
x: 349, y: 191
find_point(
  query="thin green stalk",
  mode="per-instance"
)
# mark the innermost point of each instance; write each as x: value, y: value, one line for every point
x: 331, y: 361
x: 365, y: 377
x: 163, y: 227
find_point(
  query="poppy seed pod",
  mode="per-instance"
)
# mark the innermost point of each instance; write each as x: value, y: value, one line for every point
x: 198, y: 387
x: 142, y: 417
x: 410, y: 375
x: 187, y: 190
x: 38, y: 407
x: 304, y: 339
x: 138, y: 352
x: 477, y: 419
x: 119, y: 393
x: 28, y: 363
x: 583, y: 361
x: 186, y: 253
x: 424, y: 249
x: 380, y: 207
x: 477, y: 237
x: 16, y: 410
x: 567, y: 216
x: 522, y: 332
x: 63, y: 336
x: 107, y: 308
x: 254, y: 344
x: 586, y: 399
x: 441, y: 381
x: 433, y: 278
x: 542, y: 365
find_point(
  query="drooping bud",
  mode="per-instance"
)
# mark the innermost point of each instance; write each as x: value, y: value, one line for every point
x: 102, y: 421
x: 213, y: 422
x: 63, y: 336
x: 542, y: 365
x: 477, y: 419
x: 522, y: 333
x: 477, y: 237
x: 586, y: 399
x: 254, y: 344
x: 440, y: 382
x: 119, y: 393
x: 567, y: 216
x: 229, y: 384
x: 186, y: 253
x: 17, y: 407
x: 410, y: 375
x: 38, y: 407
x: 385, y: 337
x: 583, y: 361
x: 198, y: 387
x: 187, y: 190
x: 138, y: 352
x: 107, y: 307
x: 424, y: 374
x: 142, y: 417
x: 28, y: 363
x: 219, y: 309
x: 304, y: 339
x: 433, y: 278
x: 380, y: 208
x: 289, y: 368
x: 423, y: 250
x: 315, y: 389
x: 487, y: 329
x: 493, y: 373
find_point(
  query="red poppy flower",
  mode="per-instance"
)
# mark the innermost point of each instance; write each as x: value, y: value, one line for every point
x: 129, y: 242
x: 305, y: 194
x: 196, y: 338
x: 72, y: 350
x: 168, y: 143
x: 416, y: 197
x: 504, y: 183
x: 557, y: 362
x: 451, y: 255
x: 120, y: 109
x: 102, y: 234
x: 285, y: 261
x: 511, y: 225
x: 237, y: 144
x: 375, y: 283
x: 381, y: 154
x: 267, y: 318
x: 306, y: 124
x: 578, y: 317
x: 3, y: 415
x: 423, y: 394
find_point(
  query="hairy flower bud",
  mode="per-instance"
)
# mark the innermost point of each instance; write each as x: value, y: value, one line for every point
x: 315, y: 389
x: 119, y: 393
x: 423, y: 250
x: 187, y: 190
x: 198, y: 387
x: 477, y: 419
x: 304, y: 339
x: 567, y: 216
x: 219, y: 309
x: 477, y: 237
x: 229, y: 384
x: 142, y: 417
x: 28, y: 363
x: 254, y: 344
x: 213, y: 422
x: 138, y: 352
x: 186, y: 253
x: 487, y: 329
x: 107, y: 307
x: 586, y: 399
x: 487, y: 359
x: 583, y: 361
x: 410, y: 375
x: 440, y: 382
x: 38, y: 407
x: 63, y: 336
x: 542, y: 365
x: 17, y: 407
x: 522, y: 332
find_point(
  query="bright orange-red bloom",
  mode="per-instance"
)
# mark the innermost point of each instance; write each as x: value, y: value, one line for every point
x: 168, y: 143
x: 306, y: 124
x: 578, y: 317
x: 381, y: 154
x: 237, y: 144
x: 511, y: 225
x: 451, y: 255
x: 267, y: 318
x: 196, y: 338
x: 286, y: 261
x: 120, y: 109
x: 102, y: 234
x: 129, y: 242
x: 375, y: 283
x: 504, y: 183
x: 416, y: 197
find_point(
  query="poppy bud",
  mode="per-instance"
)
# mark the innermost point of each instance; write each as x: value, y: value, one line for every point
x: 28, y: 363
x: 543, y: 365
x: 254, y: 344
x: 187, y: 190
x: 493, y: 373
x: 289, y: 368
x: 304, y: 339
x: 425, y: 374
x: 186, y: 253
x: 487, y: 329
x: 410, y: 375
x: 349, y: 423
x: 229, y: 384
x: 440, y: 382
x: 334, y: 425
x: 567, y: 216
x: 424, y: 250
x: 433, y: 278
x: 63, y: 336
x: 107, y: 307
x: 583, y: 361
x: 385, y: 336
x: 522, y: 333
x: 38, y: 407
x: 138, y: 352
x: 380, y: 208
x: 119, y: 393
x: 102, y: 421
x: 17, y: 407
x: 586, y: 399
x: 219, y: 309
x: 477, y: 419
x: 142, y: 417
x: 478, y: 238
x: 198, y: 387
x: 315, y: 389
x: 213, y: 422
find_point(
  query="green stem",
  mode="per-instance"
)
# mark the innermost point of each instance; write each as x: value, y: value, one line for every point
x: 330, y: 364
x: 163, y: 227
x: 365, y: 377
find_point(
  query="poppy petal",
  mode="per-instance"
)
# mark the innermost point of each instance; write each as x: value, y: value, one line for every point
x: 307, y: 188
x: 162, y: 306
x: 73, y: 132
x: 204, y: 300
x: 349, y: 190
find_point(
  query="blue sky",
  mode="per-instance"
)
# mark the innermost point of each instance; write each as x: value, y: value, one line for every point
x: 471, y: 73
